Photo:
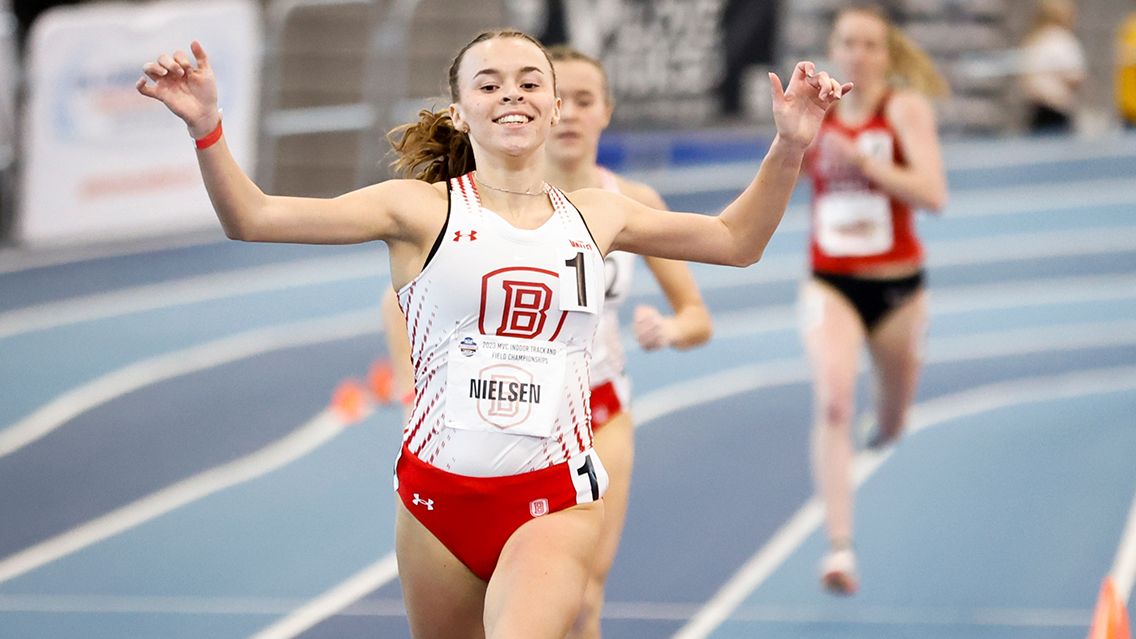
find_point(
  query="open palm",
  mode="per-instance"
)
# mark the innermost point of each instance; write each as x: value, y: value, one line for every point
x: 189, y: 91
x: 799, y: 108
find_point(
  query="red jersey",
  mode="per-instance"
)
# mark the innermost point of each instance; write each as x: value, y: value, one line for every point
x: 854, y: 224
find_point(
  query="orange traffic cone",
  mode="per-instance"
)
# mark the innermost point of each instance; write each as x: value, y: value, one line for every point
x: 349, y: 401
x: 381, y: 380
x: 1110, y: 619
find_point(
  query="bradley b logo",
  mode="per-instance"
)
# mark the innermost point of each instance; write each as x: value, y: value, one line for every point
x: 518, y: 302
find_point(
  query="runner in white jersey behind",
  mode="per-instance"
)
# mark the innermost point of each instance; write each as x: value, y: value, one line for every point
x: 509, y: 333
x: 585, y: 112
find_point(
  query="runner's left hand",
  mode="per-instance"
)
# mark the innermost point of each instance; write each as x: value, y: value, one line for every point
x: 799, y: 108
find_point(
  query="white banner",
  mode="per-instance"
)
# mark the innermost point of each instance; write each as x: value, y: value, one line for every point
x: 102, y: 161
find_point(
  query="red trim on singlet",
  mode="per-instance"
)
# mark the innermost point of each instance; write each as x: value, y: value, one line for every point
x: 473, y: 188
x: 906, y: 247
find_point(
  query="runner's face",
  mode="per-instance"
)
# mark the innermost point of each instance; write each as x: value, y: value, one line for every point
x: 584, y: 112
x: 506, y: 96
x: 859, y: 48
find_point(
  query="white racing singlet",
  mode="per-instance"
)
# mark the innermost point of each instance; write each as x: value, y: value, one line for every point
x: 609, y: 360
x: 500, y: 322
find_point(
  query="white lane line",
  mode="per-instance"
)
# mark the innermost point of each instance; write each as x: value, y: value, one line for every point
x: 100, y: 390
x: 873, y: 615
x: 998, y: 249
x: 620, y: 610
x: 951, y: 300
x: 995, y: 249
x: 1009, y: 201
x: 333, y: 601
x: 322, y: 428
x: 958, y: 156
x: 1023, y: 152
x: 199, y: 288
x: 1123, y: 571
x: 957, y: 348
x: 72, y: 403
x: 924, y: 415
x: 23, y: 259
x: 652, y: 406
x: 734, y: 176
x: 146, y: 604
x: 664, y: 401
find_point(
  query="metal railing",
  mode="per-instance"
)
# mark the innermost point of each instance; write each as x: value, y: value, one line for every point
x: 10, y: 76
x: 386, y: 68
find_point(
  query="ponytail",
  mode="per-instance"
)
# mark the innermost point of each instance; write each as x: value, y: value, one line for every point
x: 431, y: 149
x: 911, y: 67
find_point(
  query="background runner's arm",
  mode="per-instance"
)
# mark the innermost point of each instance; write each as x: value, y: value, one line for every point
x: 690, y: 325
x: 922, y: 183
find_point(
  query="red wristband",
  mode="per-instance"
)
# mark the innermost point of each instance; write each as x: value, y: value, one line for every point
x: 210, y: 139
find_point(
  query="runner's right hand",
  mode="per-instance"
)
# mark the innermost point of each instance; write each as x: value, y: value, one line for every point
x: 189, y: 91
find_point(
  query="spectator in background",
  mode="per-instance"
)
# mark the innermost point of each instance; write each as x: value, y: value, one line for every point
x: 1053, y: 65
x: 1126, y: 71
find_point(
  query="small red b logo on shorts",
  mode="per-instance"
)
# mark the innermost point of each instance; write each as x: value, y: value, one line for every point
x: 538, y: 507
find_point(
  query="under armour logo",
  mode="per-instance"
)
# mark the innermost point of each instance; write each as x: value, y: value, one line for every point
x: 418, y: 501
x: 472, y: 235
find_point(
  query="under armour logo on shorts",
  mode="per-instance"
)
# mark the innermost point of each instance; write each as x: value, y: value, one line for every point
x: 418, y: 501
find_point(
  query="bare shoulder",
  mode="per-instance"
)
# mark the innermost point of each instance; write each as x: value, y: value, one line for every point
x: 909, y: 108
x: 603, y: 211
x: 399, y: 190
x: 416, y: 209
x: 591, y: 198
x: 640, y: 192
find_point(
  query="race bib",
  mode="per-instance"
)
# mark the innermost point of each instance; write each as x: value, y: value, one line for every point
x: 853, y: 224
x: 581, y: 285
x: 504, y: 384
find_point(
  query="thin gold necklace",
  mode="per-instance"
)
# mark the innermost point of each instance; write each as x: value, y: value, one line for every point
x: 543, y: 190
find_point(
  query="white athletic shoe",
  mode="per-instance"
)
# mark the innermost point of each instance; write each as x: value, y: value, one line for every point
x: 869, y: 435
x: 838, y: 572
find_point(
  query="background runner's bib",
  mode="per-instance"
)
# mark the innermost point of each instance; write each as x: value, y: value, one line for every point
x: 854, y: 223
x: 504, y: 384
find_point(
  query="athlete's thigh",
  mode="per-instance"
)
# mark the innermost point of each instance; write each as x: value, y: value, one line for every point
x: 615, y: 445
x: 538, y: 586
x: 897, y: 345
x: 444, y: 599
x: 833, y: 336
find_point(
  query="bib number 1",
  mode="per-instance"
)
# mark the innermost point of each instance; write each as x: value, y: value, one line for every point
x: 576, y: 285
x: 589, y: 477
x: 577, y: 265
